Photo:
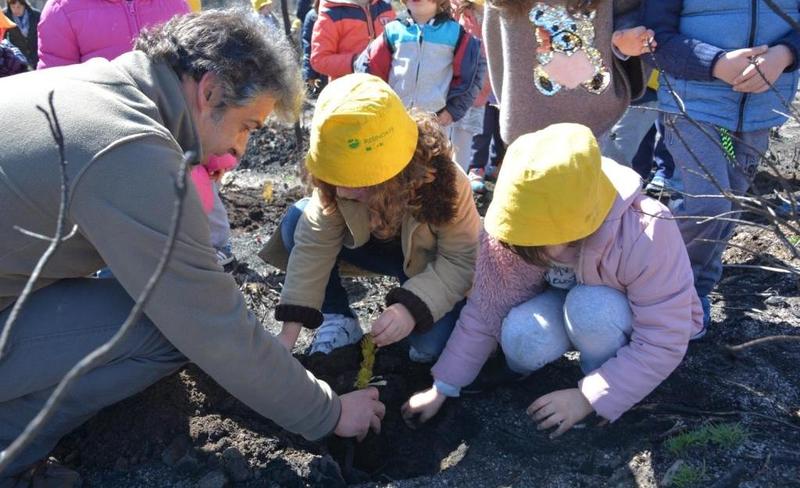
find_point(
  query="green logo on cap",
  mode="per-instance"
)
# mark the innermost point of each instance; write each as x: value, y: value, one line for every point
x: 353, y: 143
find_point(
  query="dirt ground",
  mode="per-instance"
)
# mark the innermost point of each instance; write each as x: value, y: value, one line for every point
x: 187, y: 431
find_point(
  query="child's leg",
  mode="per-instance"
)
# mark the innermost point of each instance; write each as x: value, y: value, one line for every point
x: 462, y: 134
x: 482, y: 140
x: 623, y: 140
x: 704, y: 242
x: 498, y: 148
x: 598, y: 322
x: 533, y: 333
x: 430, y: 345
x: 218, y: 222
x: 336, y: 300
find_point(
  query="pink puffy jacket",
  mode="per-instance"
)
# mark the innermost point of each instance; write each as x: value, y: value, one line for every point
x: 72, y: 31
x: 637, y: 250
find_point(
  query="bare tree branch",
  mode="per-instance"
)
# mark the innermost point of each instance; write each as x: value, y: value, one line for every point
x: 735, y: 350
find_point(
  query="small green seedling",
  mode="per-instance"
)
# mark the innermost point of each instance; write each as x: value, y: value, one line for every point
x: 726, y: 436
x: 367, y: 362
x: 688, y: 476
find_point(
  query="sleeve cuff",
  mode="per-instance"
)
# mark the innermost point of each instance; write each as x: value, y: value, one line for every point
x: 310, y: 318
x: 795, y: 51
x: 618, y: 54
x: 447, y: 389
x: 418, y: 309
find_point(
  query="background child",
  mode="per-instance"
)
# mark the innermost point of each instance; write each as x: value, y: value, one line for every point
x: 12, y: 61
x: 344, y: 29
x: 567, y: 262
x: 72, y: 31
x: 710, y: 65
x: 314, y: 81
x: 389, y: 199
x: 25, y: 36
x: 206, y: 179
x: 469, y: 15
x: 429, y: 59
x: 564, y: 61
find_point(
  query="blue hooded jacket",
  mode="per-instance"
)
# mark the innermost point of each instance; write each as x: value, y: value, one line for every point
x: 693, y: 34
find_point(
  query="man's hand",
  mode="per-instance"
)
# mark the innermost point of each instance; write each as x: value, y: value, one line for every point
x: 289, y: 333
x: 634, y: 41
x: 772, y: 64
x: 361, y: 411
x: 426, y: 404
x: 732, y: 64
x: 562, y: 408
x: 445, y: 118
x: 394, y: 324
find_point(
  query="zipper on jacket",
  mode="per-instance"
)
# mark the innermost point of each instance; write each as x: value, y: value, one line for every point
x: 419, y: 62
x: 752, y: 39
x: 132, y: 12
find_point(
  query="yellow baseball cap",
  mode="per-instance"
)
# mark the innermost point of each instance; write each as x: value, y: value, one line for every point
x: 551, y: 189
x: 361, y: 134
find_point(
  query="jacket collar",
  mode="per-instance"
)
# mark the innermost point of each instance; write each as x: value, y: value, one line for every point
x: 161, y: 85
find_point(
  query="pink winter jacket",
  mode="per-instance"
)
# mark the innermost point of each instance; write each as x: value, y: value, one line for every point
x: 637, y: 250
x: 72, y: 31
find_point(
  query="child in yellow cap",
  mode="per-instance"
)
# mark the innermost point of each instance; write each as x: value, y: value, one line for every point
x: 388, y: 199
x: 573, y: 257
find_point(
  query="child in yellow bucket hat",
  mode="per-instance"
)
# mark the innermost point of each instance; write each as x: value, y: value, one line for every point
x: 388, y: 199
x: 573, y: 257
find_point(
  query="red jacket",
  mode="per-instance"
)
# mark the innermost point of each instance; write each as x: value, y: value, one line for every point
x: 343, y: 30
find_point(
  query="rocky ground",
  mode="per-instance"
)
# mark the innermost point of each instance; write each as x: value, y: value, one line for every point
x: 720, y: 420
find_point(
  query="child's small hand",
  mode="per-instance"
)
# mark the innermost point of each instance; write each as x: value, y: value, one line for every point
x: 562, y: 408
x: 634, y: 41
x: 288, y: 335
x: 732, y: 64
x: 426, y: 404
x: 772, y: 64
x: 394, y: 324
x: 445, y: 118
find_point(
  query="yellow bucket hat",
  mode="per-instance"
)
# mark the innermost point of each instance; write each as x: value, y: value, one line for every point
x: 361, y: 134
x: 551, y: 189
x: 258, y: 4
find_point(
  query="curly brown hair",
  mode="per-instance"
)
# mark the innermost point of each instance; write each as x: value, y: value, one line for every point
x: 429, y: 177
x: 522, y: 6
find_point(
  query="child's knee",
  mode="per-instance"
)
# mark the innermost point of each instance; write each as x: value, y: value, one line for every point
x: 533, y: 333
x: 289, y: 222
x: 592, y: 312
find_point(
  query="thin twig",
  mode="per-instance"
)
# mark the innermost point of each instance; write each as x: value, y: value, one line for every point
x: 100, y: 355
x: 58, y: 137
x: 761, y: 341
x: 681, y: 409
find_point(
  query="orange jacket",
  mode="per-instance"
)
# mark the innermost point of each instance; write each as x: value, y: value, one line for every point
x: 343, y: 30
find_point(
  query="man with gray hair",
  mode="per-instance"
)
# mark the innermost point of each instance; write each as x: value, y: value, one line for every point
x: 200, y: 83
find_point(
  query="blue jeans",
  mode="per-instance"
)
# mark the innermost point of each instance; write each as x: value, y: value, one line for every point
x: 382, y: 257
x: 488, y: 147
x: 59, y: 325
x: 705, y: 242
x: 595, y: 320
x: 622, y: 142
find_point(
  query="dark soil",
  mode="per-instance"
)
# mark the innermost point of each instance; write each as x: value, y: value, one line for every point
x: 187, y: 431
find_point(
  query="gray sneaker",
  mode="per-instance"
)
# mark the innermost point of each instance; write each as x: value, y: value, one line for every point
x: 336, y: 331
